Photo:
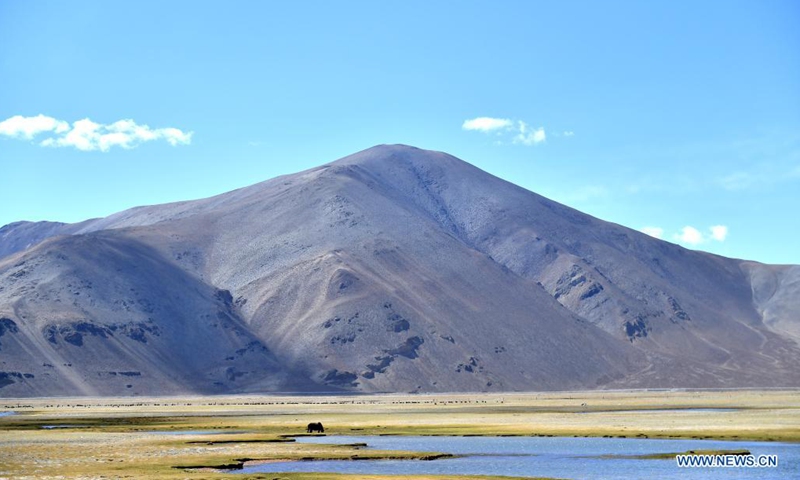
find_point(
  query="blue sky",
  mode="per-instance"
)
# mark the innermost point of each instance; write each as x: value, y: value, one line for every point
x: 659, y: 115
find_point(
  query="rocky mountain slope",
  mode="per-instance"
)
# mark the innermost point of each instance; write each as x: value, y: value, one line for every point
x: 393, y: 269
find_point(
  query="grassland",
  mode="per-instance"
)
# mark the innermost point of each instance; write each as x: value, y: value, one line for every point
x: 129, y: 437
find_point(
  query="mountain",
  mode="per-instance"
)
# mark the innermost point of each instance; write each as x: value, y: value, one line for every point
x: 393, y: 269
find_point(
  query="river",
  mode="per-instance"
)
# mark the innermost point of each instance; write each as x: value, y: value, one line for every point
x: 558, y: 457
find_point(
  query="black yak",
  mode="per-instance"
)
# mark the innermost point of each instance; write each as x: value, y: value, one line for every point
x: 315, y: 427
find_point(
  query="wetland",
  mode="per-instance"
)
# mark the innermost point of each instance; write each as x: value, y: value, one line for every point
x: 551, y: 435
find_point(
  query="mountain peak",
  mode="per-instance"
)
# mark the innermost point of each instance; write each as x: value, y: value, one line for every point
x: 392, y: 269
x: 390, y: 152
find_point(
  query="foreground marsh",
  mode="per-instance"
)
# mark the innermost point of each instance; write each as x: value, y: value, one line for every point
x: 123, y: 437
x: 589, y: 458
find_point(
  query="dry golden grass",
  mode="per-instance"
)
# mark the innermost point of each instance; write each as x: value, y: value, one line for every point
x: 113, y: 438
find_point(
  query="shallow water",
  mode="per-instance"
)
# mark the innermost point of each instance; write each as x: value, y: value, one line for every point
x: 562, y: 457
x: 6, y: 414
x: 668, y: 410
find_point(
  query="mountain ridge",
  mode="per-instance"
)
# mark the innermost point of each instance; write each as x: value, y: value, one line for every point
x: 379, y: 272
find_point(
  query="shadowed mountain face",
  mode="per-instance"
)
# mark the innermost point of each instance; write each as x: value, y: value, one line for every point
x: 394, y: 269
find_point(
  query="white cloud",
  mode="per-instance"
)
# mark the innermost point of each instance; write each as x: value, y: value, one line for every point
x: 28, y: 127
x: 529, y: 136
x: 87, y: 135
x: 175, y: 137
x: 569, y: 133
x: 522, y: 133
x: 719, y: 232
x: 656, y: 232
x: 693, y: 236
x: 690, y: 235
x: 487, y: 124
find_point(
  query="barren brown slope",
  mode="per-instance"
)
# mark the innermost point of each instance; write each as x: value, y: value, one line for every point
x: 102, y: 314
x: 694, y: 307
x: 399, y: 269
x: 776, y: 295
